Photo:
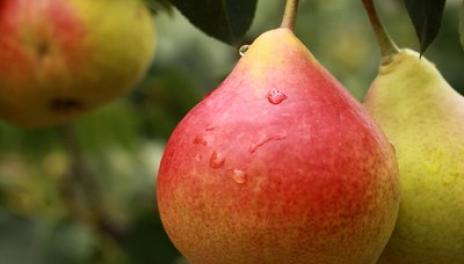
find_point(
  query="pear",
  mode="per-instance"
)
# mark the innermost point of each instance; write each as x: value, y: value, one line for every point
x: 62, y: 58
x: 279, y: 164
x: 424, y: 118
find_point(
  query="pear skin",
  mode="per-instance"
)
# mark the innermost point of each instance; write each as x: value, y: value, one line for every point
x: 62, y: 58
x: 279, y: 164
x: 424, y: 118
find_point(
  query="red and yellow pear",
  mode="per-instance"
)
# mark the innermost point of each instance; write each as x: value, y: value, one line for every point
x: 278, y: 165
x: 61, y: 58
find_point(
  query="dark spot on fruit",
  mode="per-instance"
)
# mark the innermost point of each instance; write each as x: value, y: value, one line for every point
x: 65, y: 105
x: 43, y: 48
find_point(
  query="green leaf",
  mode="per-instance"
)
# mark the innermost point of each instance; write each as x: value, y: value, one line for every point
x: 426, y: 17
x: 225, y: 20
x: 461, y: 24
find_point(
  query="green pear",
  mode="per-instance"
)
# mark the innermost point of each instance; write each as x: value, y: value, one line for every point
x: 62, y: 58
x: 424, y: 119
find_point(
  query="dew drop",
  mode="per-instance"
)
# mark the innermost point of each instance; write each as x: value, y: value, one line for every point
x: 210, y: 128
x: 266, y: 139
x: 253, y: 148
x: 239, y: 176
x: 199, y: 141
x: 217, y: 160
x: 276, y: 97
x: 243, y: 49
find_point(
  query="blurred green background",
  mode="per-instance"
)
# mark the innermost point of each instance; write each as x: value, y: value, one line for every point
x: 108, y: 214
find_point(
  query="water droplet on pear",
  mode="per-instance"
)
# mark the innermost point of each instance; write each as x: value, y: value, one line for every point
x: 243, y: 49
x: 199, y: 141
x: 276, y: 97
x: 281, y: 135
x: 210, y: 128
x: 217, y: 160
x: 239, y: 176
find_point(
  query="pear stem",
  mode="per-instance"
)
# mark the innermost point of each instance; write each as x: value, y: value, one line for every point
x: 291, y: 10
x: 387, y: 46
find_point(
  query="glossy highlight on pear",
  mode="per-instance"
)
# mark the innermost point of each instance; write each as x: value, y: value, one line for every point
x: 286, y: 182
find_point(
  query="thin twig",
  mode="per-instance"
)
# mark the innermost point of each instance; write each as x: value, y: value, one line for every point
x: 81, y: 184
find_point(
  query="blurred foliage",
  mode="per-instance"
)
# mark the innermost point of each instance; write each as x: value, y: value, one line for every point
x: 110, y: 216
x: 461, y: 26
